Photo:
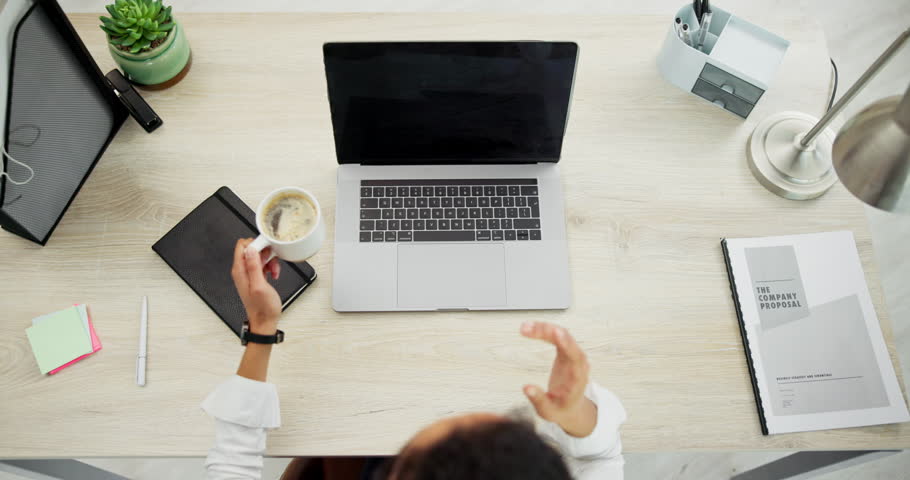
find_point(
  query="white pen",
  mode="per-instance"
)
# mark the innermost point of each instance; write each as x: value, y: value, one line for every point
x: 143, y: 342
x: 685, y: 34
x: 703, y: 31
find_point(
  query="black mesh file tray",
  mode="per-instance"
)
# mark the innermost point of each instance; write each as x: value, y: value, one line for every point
x: 61, y: 114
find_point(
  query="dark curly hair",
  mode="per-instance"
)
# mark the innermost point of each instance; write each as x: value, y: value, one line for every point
x: 509, y: 449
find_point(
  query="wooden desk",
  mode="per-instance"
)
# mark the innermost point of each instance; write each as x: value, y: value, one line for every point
x: 653, y: 178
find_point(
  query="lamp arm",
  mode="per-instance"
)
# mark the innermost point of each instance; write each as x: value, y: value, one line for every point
x: 870, y: 72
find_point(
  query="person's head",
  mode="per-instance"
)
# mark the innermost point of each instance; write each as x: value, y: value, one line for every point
x: 479, y: 446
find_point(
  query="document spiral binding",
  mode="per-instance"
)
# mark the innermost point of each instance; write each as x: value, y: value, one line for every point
x: 742, y: 331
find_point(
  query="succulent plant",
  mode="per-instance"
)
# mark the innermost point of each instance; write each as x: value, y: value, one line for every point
x: 137, y: 25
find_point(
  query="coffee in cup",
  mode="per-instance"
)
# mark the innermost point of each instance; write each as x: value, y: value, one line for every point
x: 290, y: 223
x: 288, y: 217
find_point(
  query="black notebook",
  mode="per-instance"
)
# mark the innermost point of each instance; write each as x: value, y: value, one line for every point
x: 200, y: 248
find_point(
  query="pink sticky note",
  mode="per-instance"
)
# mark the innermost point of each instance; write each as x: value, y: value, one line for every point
x: 96, y: 344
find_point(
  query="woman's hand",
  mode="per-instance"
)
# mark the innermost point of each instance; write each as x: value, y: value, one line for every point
x: 262, y: 303
x: 565, y: 402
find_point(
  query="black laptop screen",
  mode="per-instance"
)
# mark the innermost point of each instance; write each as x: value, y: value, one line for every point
x: 448, y: 102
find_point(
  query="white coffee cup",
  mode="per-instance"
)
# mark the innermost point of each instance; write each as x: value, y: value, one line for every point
x: 296, y: 250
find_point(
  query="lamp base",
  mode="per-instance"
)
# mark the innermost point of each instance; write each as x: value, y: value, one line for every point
x: 785, y: 167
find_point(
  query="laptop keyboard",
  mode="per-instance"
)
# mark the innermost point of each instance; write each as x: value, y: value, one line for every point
x: 446, y: 210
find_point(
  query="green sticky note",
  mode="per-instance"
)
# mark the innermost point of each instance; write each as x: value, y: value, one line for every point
x: 58, y: 338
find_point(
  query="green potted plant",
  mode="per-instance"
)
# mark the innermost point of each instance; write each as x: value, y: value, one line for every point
x: 147, y: 42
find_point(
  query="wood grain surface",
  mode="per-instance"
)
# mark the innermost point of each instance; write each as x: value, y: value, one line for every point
x: 653, y: 178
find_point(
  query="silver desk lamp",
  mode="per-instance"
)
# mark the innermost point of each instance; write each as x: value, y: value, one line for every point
x: 790, y: 153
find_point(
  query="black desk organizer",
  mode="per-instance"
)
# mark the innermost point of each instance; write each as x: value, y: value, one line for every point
x: 61, y: 115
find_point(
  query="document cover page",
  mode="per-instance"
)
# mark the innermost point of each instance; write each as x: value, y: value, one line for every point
x: 816, y: 346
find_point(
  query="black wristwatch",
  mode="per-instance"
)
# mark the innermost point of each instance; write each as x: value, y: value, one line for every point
x: 246, y: 336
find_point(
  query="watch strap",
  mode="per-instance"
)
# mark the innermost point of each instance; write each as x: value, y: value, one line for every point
x: 250, y: 337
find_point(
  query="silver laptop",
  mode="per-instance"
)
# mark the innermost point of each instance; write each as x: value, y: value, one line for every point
x: 449, y: 195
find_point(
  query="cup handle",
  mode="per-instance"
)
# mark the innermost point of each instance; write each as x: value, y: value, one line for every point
x: 260, y: 244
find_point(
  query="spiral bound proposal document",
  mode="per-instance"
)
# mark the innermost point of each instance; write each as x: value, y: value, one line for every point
x: 813, y: 342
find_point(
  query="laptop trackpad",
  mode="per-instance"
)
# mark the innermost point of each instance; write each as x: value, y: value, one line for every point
x: 446, y: 275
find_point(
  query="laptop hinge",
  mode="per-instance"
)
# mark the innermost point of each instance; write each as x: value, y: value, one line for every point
x: 449, y: 164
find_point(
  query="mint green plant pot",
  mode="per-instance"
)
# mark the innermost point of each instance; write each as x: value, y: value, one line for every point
x: 159, y: 67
